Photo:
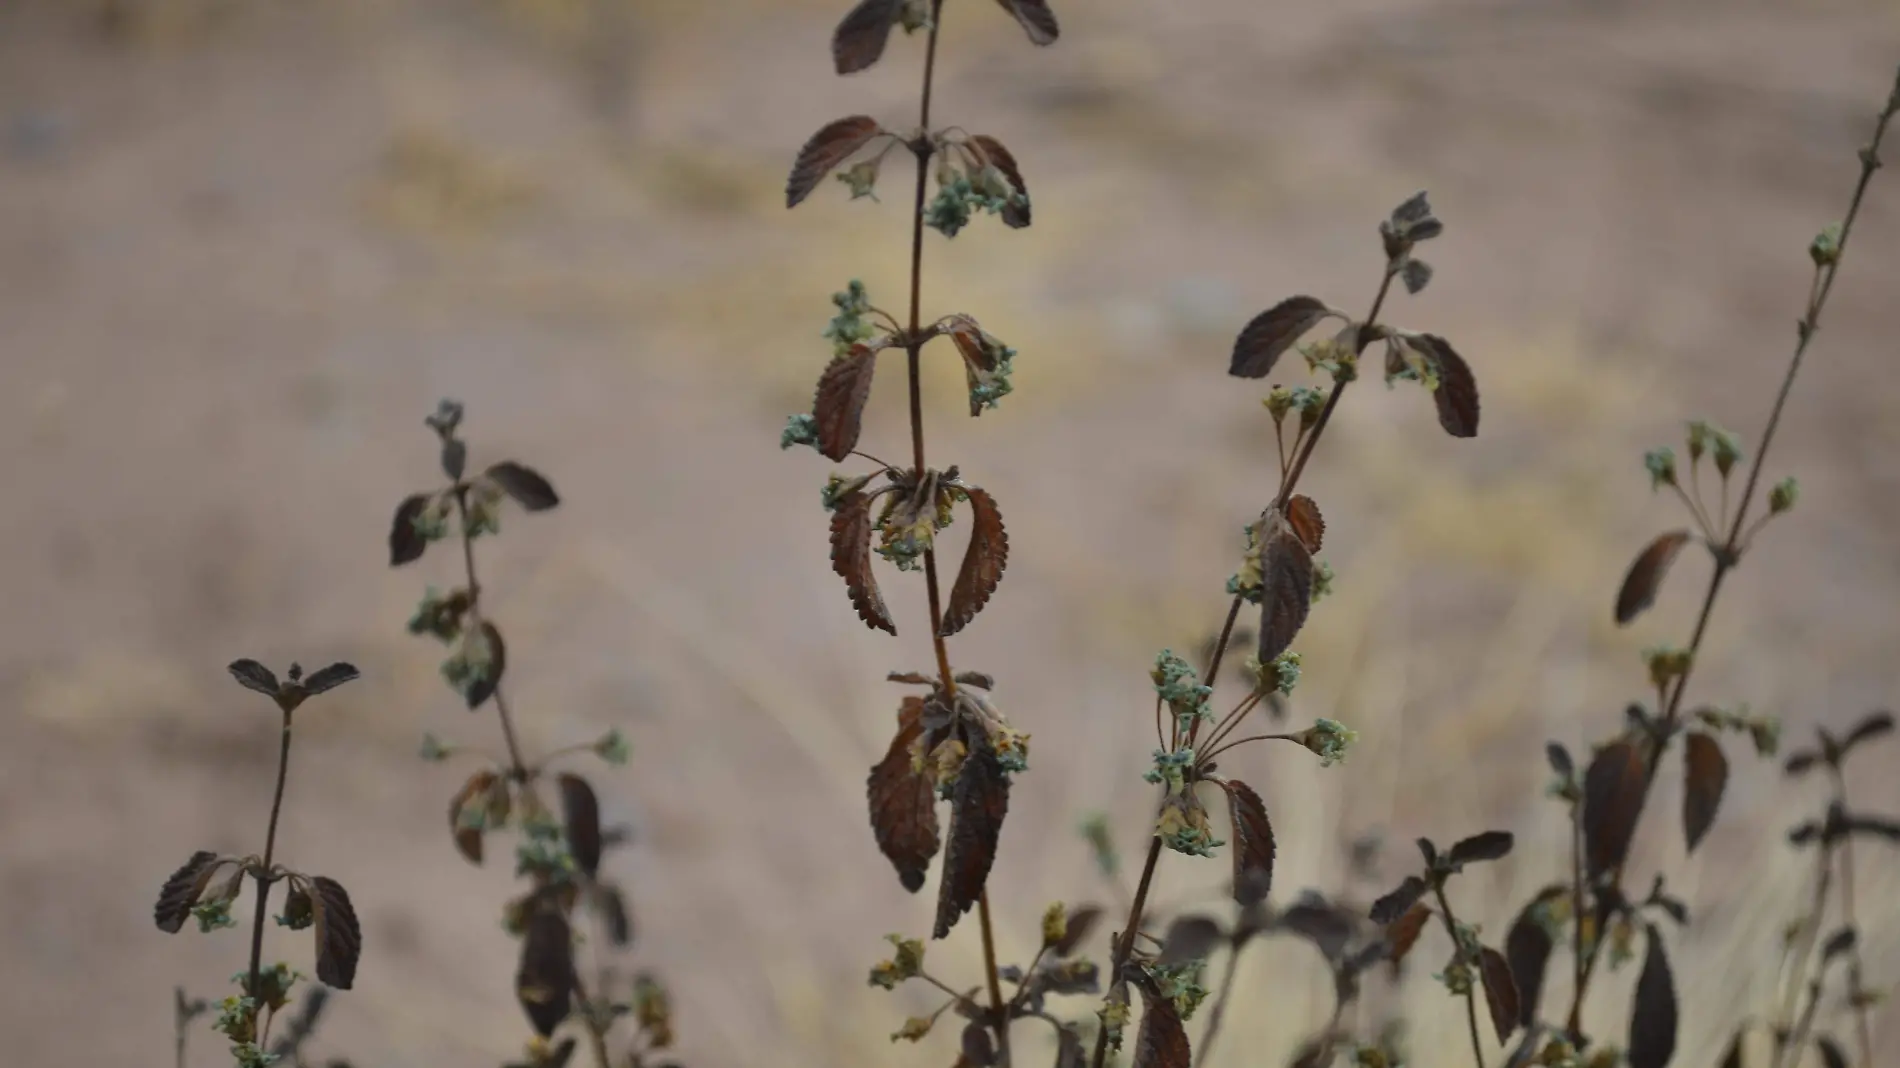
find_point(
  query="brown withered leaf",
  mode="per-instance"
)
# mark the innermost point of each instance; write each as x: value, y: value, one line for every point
x: 860, y: 37
x: 1189, y: 938
x: 822, y: 154
x: 979, y: 801
x: 405, y: 544
x: 1253, y: 846
x: 1395, y: 904
x: 1613, y: 793
x: 1500, y: 991
x: 483, y: 687
x: 1080, y: 923
x: 1262, y: 341
x: 254, y: 676
x: 983, y: 563
x: 1162, y: 1042
x: 851, y: 559
x: 1527, y: 947
x: 339, y: 938
x: 1037, y: 20
x: 1457, y: 392
x: 580, y: 812
x: 611, y: 904
x: 1652, y: 1035
x: 183, y: 889
x: 1646, y: 575
x: 1402, y: 934
x: 329, y: 678
x: 1489, y: 845
x: 544, y: 980
x: 979, y: 1050
x: 1302, y: 515
x: 838, y: 405
x: 530, y: 489
x: 468, y: 840
x: 903, y: 805
x: 999, y: 157
x: 1286, y: 594
x: 1705, y: 771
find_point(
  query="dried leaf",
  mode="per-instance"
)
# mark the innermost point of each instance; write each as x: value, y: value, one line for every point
x: 859, y: 39
x: 1705, y: 772
x: 1162, y: 1041
x: 468, y: 840
x: 1395, y: 904
x: 544, y: 980
x: 1560, y: 761
x: 1014, y: 216
x: 851, y: 559
x: 329, y: 678
x: 611, y: 904
x: 1646, y: 575
x: 1832, y: 1055
x: 183, y: 889
x: 983, y: 563
x: 838, y: 406
x: 1253, y: 846
x: 1081, y: 922
x: 1271, y: 333
x: 903, y: 806
x: 1838, y: 943
x: 1036, y: 18
x: 1319, y: 922
x: 979, y: 802
x: 1500, y: 991
x: 481, y: 688
x: 1491, y: 845
x: 1873, y: 726
x: 1302, y: 515
x: 1402, y: 934
x: 1527, y: 947
x: 254, y: 676
x: 1189, y: 938
x: 1286, y: 593
x: 827, y: 148
x: 1873, y: 826
x: 979, y: 1050
x: 580, y: 811
x: 339, y: 938
x: 526, y: 485
x: 1613, y: 793
x: 1652, y: 1035
x: 405, y: 542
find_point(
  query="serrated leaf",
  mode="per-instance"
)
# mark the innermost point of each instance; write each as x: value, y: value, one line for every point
x: 903, y: 805
x: 1037, y: 20
x: 1613, y: 792
x: 329, y: 678
x: 1646, y: 575
x: 1402, y: 934
x: 1527, y: 949
x: 254, y: 676
x: 1264, y: 340
x: 860, y: 37
x: 838, y: 404
x: 979, y: 801
x: 1286, y: 593
x: 1501, y: 994
x: 1080, y: 923
x: 527, y: 486
x: 183, y: 889
x: 544, y: 980
x: 1652, y: 1034
x: 1395, y: 904
x: 1874, y: 725
x: 580, y: 812
x: 826, y: 149
x: 481, y: 688
x: 339, y: 938
x: 1490, y: 845
x: 1417, y: 275
x: 1014, y: 216
x: 851, y: 559
x: 1253, y: 845
x: 1302, y: 515
x: 1457, y: 392
x: 405, y: 543
x: 1162, y: 1042
x: 1189, y: 938
x: 983, y: 563
x: 1705, y: 776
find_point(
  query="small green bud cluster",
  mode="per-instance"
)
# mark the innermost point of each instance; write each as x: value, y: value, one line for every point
x: 1178, y: 684
x: 468, y: 666
x: 1306, y: 400
x: 613, y: 748
x: 799, y: 430
x: 850, y: 327
x: 1783, y: 495
x: 1722, y: 446
x: 543, y: 849
x: 1330, y: 740
x: 1181, y: 984
x: 961, y: 193
x: 1170, y: 769
x: 1667, y: 663
x: 989, y: 388
x: 906, y: 963
x: 1280, y: 674
x: 1661, y: 464
x: 1764, y: 730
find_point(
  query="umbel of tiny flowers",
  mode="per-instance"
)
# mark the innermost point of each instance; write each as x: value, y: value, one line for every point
x: 206, y: 886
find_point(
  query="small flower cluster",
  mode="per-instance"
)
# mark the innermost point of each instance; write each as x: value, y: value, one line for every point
x: 1306, y: 400
x: 1281, y: 674
x: 850, y: 327
x: 1667, y: 663
x: 1330, y: 739
x: 961, y: 193
x: 1177, y: 683
x: 1763, y: 730
x: 906, y: 963
x: 1181, y: 984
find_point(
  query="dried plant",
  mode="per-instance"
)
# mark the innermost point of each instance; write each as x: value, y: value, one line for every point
x: 560, y: 857
x: 207, y: 885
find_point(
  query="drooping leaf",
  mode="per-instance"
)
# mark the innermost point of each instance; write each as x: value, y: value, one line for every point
x: 1652, y: 1035
x: 1838, y: 943
x: 1037, y: 20
x: 1402, y: 934
x: 903, y: 806
x: 1490, y: 845
x: 983, y: 563
x: 1286, y: 592
x: 1015, y: 216
x: 827, y: 148
x: 1705, y: 772
x: 1395, y: 904
x: 405, y: 542
x: 1080, y: 923
x: 979, y: 1050
x: 468, y: 834
x: 1613, y: 791
x: 1501, y: 994
x: 529, y: 488
x: 483, y: 686
x: 1253, y: 846
x: 1832, y: 1055
x: 1527, y: 948
x: 1319, y: 922
x: 339, y: 938
x: 329, y: 678
x: 1302, y: 515
x: 1457, y: 392
x: 851, y: 559
x: 859, y: 39
x: 254, y: 676
x: 1874, y: 725
x: 1162, y: 1042
x: 1271, y: 333
x: 612, y: 906
x: 183, y: 889
x: 979, y: 801
x: 1646, y: 575
x: 580, y: 811
x: 1189, y: 938
x: 838, y: 405
x: 544, y: 980
x: 1559, y: 759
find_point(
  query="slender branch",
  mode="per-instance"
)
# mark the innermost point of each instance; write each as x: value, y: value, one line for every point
x: 517, y: 765
x: 1125, y: 945
x: 1471, y: 993
x: 262, y: 873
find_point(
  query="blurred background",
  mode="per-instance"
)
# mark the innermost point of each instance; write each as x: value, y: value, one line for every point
x: 245, y: 246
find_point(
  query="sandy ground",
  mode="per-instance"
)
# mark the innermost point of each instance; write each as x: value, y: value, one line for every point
x: 244, y: 247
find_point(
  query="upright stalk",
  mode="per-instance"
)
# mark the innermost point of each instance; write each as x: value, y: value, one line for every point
x: 1471, y: 993
x: 263, y: 873
x: 517, y: 766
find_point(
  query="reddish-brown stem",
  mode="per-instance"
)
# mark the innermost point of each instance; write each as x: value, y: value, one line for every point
x: 263, y: 873
x: 517, y: 766
x: 1471, y: 993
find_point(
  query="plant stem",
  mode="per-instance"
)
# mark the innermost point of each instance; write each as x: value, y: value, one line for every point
x: 517, y: 766
x: 1126, y: 944
x: 1471, y: 994
x: 262, y: 874
x: 1728, y: 555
